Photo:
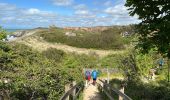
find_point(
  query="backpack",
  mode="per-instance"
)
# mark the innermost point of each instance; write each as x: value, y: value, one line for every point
x: 87, y: 73
x: 94, y: 74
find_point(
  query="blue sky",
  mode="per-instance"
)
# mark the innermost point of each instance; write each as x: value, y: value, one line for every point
x: 63, y: 13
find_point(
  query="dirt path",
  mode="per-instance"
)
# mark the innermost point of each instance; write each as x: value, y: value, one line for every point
x: 92, y: 93
x: 41, y: 45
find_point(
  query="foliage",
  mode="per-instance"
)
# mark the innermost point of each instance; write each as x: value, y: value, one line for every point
x: 155, y: 26
x: 134, y: 64
x: 148, y: 91
x: 2, y: 33
x: 53, y: 54
x: 111, y: 61
x: 137, y: 90
x: 128, y: 64
x: 27, y: 74
x: 108, y: 39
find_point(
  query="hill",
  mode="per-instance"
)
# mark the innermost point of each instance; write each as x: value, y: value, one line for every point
x: 84, y: 42
x: 110, y: 38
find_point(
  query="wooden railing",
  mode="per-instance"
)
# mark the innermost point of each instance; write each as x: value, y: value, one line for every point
x: 109, y: 91
x: 73, y: 93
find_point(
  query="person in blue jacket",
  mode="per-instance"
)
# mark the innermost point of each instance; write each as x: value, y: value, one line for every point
x: 94, y: 75
x: 161, y: 62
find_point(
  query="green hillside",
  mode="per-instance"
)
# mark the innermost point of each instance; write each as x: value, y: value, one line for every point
x: 107, y: 39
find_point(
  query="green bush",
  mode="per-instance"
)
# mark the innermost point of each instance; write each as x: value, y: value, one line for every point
x: 3, y: 33
x: 137, y: 90
x: 31, y: 75
x: 108, y: 39
x: 148, y: 91
x: 53, y: 54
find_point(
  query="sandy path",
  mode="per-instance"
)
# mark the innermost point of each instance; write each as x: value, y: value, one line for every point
x: 42, y: 45
x: 92, y: 93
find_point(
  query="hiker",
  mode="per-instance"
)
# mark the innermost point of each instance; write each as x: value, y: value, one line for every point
x: 161, y: 62
x: 87, y: 77
x: 94, y: 75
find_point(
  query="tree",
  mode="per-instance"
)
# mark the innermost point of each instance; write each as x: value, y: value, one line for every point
x: 2, y: 34
x: 154, y: 28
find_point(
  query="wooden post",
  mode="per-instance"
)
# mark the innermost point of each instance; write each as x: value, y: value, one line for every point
x: 104, y: 84
x: 67, y: 87
x: 74, y: 91
x: 108, y: 76
x: 122, y: 90
x: 1, y: 97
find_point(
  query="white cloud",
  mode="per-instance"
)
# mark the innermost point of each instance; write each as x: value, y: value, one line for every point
x: 33, y: 11
x: 117, y: 10
x: 80, y: 7
x: 79, y: 15
x: 37, y: 12
x: 62, y: 2
x: 7, y: 9
x: 12, y: 15
x: 119, y: 15
x: 82, y: 12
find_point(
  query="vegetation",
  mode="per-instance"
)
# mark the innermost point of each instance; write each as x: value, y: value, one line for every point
x: 148, y: 91
x: 2, y: 34
x: 27, y: 74
x: 136, y: 68
x: 155, y: 25
x: 108, y: 39
x: 53, y: 54
x: 139, y: 90
x: 154, y: 29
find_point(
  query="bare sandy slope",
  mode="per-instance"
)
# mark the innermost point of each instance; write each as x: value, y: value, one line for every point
x: 41, y: 45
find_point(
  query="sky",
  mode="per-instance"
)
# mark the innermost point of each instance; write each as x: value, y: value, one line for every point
x: 63, y: 13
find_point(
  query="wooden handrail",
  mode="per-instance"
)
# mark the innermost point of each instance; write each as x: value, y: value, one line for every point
x: 69, y: 92
x: 106, y: 92
x: 80, y: 88
x: 125, y: 97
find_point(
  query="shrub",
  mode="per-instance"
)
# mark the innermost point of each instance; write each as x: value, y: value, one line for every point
x: 53, y: 54
x: 109, y: 39
x: 27, y: 74
x: 148, y: 91
x: 2, y: 33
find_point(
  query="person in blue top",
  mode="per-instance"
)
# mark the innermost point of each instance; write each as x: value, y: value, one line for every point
x: 94, y: 75
x: 161, y: 62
